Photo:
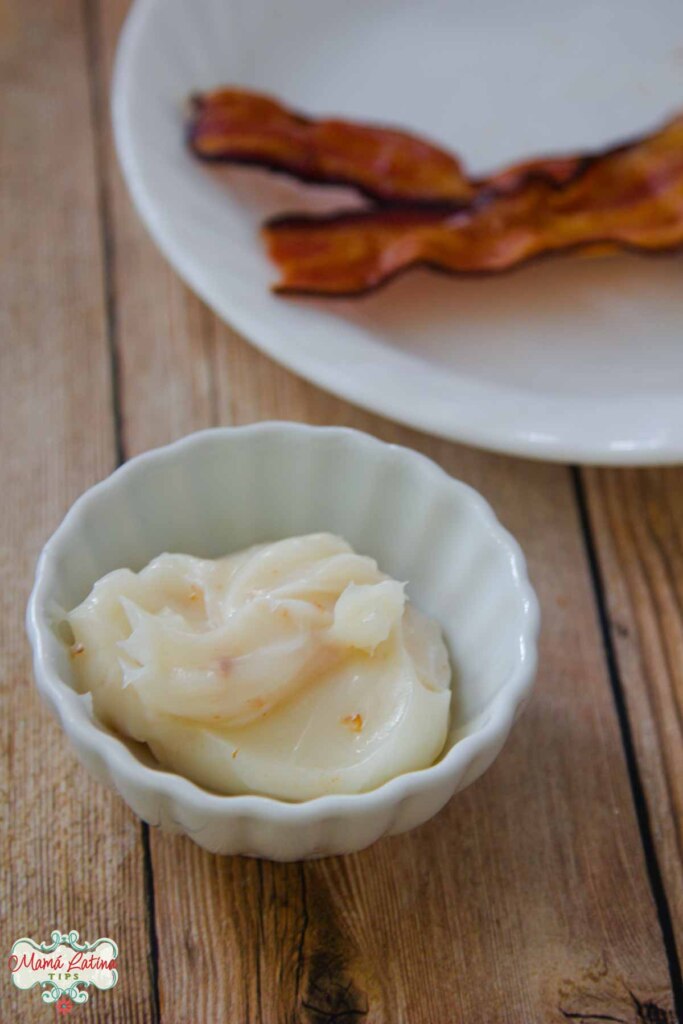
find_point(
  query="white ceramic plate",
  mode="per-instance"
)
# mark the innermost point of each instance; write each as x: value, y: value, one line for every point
x: 569, y: 360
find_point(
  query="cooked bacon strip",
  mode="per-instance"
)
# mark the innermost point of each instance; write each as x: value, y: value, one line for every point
x: 242, y: 127
x: 630, y: 198
x: 557, y: 170
x: 238, y: 126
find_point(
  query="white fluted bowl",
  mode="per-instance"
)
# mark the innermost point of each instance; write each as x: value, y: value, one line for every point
x: 220, y: 490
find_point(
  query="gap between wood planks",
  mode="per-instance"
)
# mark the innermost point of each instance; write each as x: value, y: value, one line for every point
x: 99, y: 112
x: 637, y: 790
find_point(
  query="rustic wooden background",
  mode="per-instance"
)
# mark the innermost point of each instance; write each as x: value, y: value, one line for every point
x: 551, y: 890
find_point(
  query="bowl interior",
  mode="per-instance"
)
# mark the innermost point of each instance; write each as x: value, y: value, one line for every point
x: 223, y: 490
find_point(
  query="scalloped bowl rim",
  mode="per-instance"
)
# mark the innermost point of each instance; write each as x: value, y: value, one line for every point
x: 120, y: 760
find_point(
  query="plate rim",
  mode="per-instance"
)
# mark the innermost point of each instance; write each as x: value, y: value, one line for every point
x: 544, y: 447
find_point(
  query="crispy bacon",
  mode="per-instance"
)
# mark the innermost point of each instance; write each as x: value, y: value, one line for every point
x: 628, y: 198
x: 238, y: 126
x: 390, y: 166
x: 557, y: 170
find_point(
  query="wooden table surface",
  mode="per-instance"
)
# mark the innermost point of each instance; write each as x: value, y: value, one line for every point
x: 551, y: 890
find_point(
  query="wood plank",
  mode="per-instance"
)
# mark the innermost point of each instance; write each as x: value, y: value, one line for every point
x: 637, y: 518
x: 555, y: 812
x: 73, y: 856
x: 164, y: 334
x: 527, y: 898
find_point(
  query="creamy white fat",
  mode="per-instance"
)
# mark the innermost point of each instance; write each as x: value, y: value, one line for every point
x: 292, y: 669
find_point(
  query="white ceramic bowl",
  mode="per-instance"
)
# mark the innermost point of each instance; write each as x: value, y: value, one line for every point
x: 221, y: 490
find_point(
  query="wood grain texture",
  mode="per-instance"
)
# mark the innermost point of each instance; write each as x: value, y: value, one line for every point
x: 533, y: 862
x: 164, y: 366
x: 637, y: 518
x: 526, y: 899
x: 72, y: 852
